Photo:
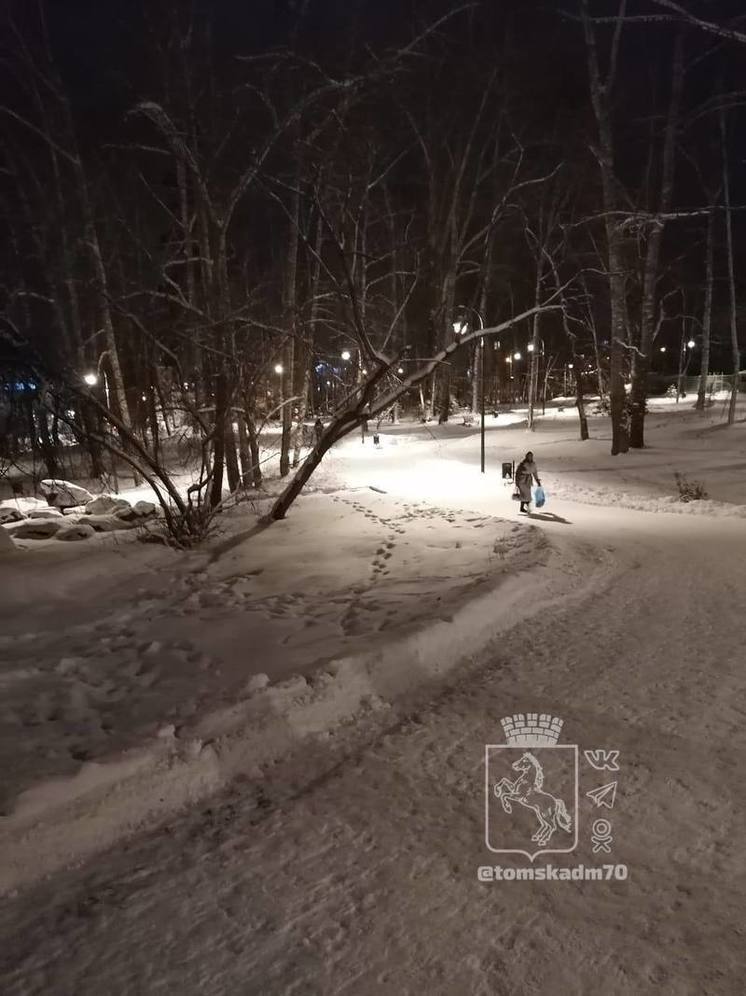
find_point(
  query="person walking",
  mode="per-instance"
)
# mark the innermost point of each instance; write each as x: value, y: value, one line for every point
x: 525, y: 474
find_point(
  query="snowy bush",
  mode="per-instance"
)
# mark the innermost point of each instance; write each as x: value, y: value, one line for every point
x: 689, y: 490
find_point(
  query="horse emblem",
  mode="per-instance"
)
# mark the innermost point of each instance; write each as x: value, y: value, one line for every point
x: 527, y: 789
x: 516, y: 773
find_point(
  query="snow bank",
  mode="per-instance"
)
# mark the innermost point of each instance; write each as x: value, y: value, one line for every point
x: 63, y: 820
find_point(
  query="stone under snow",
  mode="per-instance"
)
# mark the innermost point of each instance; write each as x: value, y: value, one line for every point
x: 106, y: 523
x: 35, y: 529
x: 63, y: 494
x: 103, y: 504
x: 77, y: 531
x: 45, y: 513
x: 140, y: 510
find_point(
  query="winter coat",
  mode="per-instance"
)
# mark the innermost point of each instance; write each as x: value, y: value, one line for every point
x: 525, y: 474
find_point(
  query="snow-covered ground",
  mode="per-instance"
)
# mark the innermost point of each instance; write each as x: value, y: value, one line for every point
x: 347, y: 863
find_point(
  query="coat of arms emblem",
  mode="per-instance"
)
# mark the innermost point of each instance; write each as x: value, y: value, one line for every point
x: 531, y: 788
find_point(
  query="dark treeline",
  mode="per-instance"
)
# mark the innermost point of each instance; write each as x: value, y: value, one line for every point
x: 217, y: 214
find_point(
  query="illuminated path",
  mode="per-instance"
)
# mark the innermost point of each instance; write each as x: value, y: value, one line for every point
x: 354, y: 869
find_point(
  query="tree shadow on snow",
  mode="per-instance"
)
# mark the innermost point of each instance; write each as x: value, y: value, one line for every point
x: 549, y: 517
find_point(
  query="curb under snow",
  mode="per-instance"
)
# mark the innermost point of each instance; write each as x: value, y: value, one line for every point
x: 66, y: 820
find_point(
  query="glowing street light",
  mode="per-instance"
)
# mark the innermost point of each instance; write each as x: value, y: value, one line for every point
x: 530, y: 347
x: 279, y: 368
x: 517, y: 356
x: 691, y: 344
x: 663, y: 349
x: 460, y: 327
x: 346, y: 354
x: 400, y: 370
x: 91, y: 378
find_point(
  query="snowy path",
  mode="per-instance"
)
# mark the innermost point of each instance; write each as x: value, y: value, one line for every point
x: 352, y: 869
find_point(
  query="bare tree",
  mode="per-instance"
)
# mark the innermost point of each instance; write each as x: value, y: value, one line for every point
x: 601, y: 91
x: 641, y: 354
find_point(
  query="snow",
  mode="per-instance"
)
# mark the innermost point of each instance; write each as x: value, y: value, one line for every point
x: 330, y: 683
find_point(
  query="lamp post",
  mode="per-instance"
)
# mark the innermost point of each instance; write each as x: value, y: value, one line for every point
x: 461, y: 327
x: 568, y: 366
x: 685, y: 355
x: 535, y: 370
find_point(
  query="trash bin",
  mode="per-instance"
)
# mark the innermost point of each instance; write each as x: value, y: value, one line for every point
x: 376, y: 439
x: 507, y: 471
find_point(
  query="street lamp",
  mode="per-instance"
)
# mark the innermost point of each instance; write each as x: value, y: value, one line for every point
x: 685, y: 356
x: 346, y: 354
x: 279, y: 369
x: 90, y: 378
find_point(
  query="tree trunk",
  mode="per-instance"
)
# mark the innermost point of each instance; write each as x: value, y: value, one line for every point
x: 533, y: 374
x: 302, y: 405
x: 475, y: 378
x: 444, y: 373
x: 704, y: 372
x: 256, y: 466
x: 580, y: 404
x: 600, y: 97
x: 288, y: 373
x: 233, y: 472
x: 243, y: 451
x: 731, y: 276
x: 309, y: 465
x: 641, y: 356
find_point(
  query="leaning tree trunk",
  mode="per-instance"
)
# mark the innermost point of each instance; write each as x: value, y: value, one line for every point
x: 704, y: 372
x: 336, y: 431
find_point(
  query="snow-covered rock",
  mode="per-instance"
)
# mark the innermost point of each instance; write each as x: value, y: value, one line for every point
x: 63, y: 494
x: 103, y: 504
x: 106, y: 523
x: 23, y: 504
x: 45, y: 513
x: 74, y: 510
x: 10, y: 513
x: 140, y: 510
x: 76, y: 531
x: 256, y: 683
x: 35, y: 529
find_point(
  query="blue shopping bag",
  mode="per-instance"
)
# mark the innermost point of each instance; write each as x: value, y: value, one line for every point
x: 539, y: 497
